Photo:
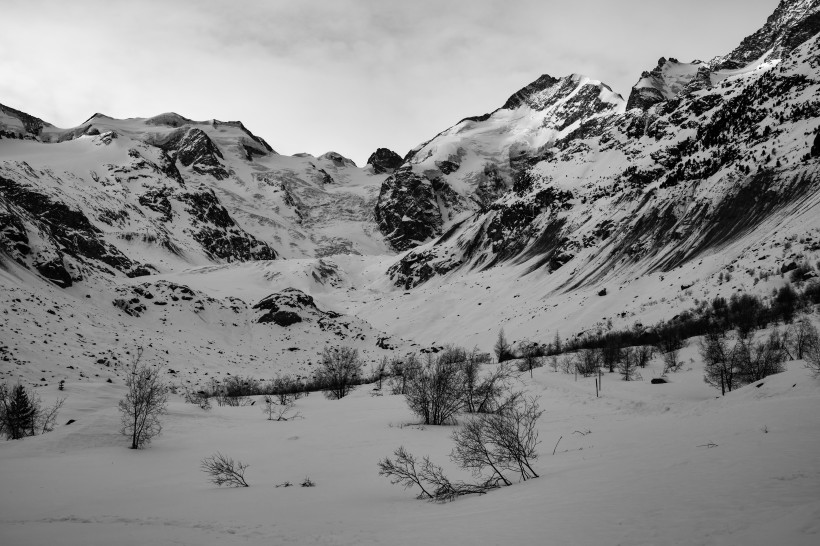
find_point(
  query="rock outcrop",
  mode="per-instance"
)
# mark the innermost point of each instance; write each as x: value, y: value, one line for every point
x: 384, y: 161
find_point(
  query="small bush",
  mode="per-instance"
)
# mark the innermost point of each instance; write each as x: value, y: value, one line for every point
x: 223, y: 470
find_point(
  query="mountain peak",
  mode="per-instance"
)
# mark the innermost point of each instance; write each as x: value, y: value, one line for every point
x: 791, y: 23
x: 384, y: 160
x: 521, y: 96
x: 169, y: 119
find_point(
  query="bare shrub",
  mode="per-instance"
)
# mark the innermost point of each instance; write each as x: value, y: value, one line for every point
x: 531, y: 354
x: 278, y: 411
x: 144, y: 403
x: 339, y: 371
x: 669, y: 345
x: 407, y: 471
x: 401, y: 371
x: 47, y: 417
x: 435, y: 393
x: 484, y: 392
x: 223, y: 470
x: 611, y: 353
x: 198, y: 398
x: 514, y: 437
x: 568, y: 364
x: 587, y: 362
x: 307, y: 482
x: 499, y: 442
x: 801, y: 336
x: 643, y: 355
x: 812, y: 356
x: 764, y: 358
x: 474, y: 451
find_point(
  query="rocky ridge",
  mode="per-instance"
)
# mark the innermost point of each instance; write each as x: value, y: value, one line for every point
x: 602, y: 187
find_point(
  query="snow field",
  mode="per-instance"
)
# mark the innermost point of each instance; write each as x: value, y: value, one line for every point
x: 637, y: 471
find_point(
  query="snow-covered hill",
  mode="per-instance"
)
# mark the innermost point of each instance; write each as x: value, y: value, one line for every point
x: 589, y: 187
x: 518, y: 218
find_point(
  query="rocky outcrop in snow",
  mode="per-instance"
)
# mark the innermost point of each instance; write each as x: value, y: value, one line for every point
x: 384, y: 161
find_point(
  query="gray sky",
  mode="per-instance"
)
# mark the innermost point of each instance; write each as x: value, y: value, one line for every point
x: 342, y: 75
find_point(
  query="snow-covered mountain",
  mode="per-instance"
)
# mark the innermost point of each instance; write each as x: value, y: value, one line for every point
x: 565, y: 192
x: 699, y: 157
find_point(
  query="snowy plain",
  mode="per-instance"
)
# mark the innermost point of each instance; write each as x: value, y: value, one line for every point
x: 633, y: 467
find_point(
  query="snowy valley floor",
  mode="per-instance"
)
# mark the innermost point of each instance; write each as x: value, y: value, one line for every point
x: 641, y: 472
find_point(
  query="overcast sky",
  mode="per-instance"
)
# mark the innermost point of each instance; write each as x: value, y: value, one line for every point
x: 342, y: 75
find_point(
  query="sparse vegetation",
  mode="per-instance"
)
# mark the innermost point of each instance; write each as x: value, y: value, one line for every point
x: 22, y: 413
x: 339, y: 371
x: 490, y: 446
x: 144, y: 403
x: 223, y: 470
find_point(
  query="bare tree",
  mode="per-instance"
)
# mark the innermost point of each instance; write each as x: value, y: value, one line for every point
x: 715, y: 355
x: 436, y: 391
x: 669, y: 345
x: 801, y: 336
x: 643, y: 355
x: 339, y: 371
x: 627, y: 366
x: 611, y: 353
x: 587, y: 362
x: 764, y: 358
x: 46, y: 417
x: 401, y: 371
x: 223, y: 470
x: 812, y: 356
x: 530, y: 356
x: 144, y: 403
x: 380, y: 371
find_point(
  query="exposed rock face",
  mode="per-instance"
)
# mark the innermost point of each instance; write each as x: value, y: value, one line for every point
x: 467, y: 167
x: 338, y: 159
x: 699, y: 160
x: 384, y: 161
x: 284, y: 308
x: 25, y: 126
x: 217, y: 232
x: 528, y: 94
x: 665, y: 81
x: 197, y: 151
x: 407, y: 210
x: 66, y: 230
x: 791, y: 24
